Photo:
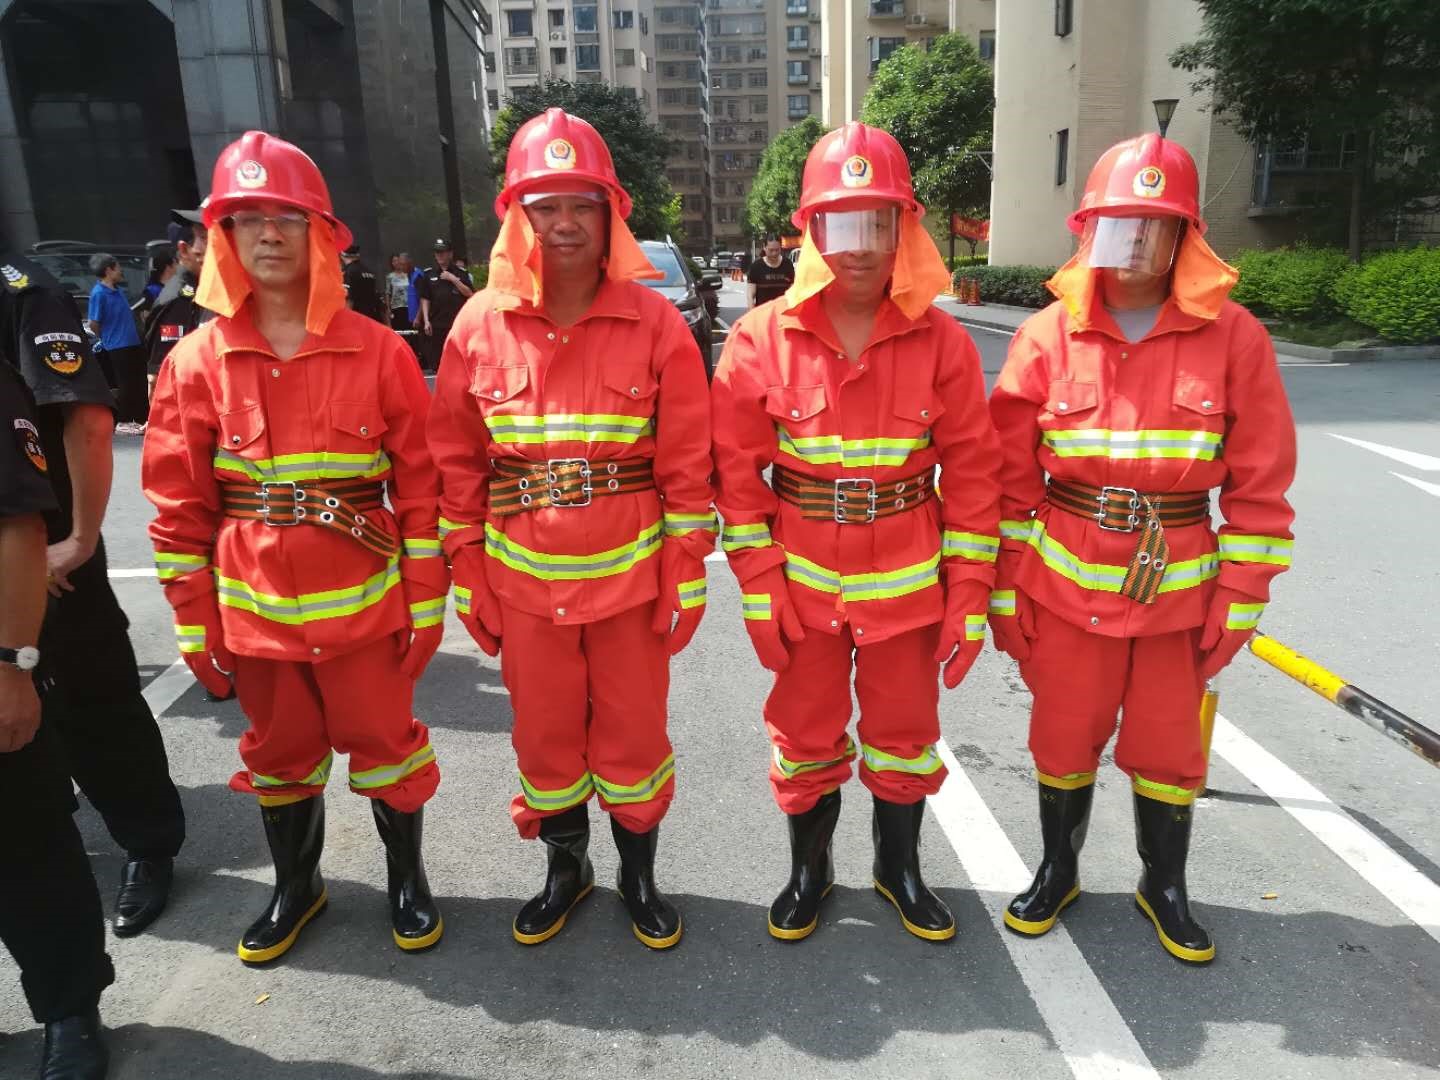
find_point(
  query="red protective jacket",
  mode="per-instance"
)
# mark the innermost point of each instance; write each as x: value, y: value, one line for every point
x: 349, y: 404
x: 626, y: 381
x: 1196, y: 404
x: 784, y: 393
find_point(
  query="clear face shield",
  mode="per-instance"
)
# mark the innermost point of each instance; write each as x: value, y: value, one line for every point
x: 1143, y: 244
x: 875, y: 231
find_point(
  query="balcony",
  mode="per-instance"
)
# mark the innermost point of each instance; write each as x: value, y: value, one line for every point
x: 797, y: 9
x: 887, y: 9
x: 918, y: 21
x: 797, y: 44
x: 797, y: 80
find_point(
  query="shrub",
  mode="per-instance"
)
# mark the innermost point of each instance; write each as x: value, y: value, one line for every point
x: 1291, y: 283
x: 961, y: 261
x: 1396, y: 294
x: 1022, y: 286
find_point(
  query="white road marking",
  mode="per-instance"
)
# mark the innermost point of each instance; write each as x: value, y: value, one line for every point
x: 1085, y: 1024
x: 1405, y: 457
x: 143, y: 572
x: 715, y: 556
x: 1423, y: 485
x: 986, y: 329
x: 165, y: 689
x: 1402, y: 884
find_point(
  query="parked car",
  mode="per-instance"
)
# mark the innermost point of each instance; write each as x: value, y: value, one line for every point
x: 696, y: 298
x: 69, y: 261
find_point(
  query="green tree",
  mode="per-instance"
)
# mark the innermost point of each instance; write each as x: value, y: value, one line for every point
x: 940, y: 106
x: 1283, y: 71
x: 640, y: 149
x: 775, y: 194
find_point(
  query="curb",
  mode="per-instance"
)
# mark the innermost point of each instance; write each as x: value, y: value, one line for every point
x: 1357, y: 356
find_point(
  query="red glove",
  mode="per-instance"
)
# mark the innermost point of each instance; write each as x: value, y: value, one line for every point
x: 962, y: 633
x: 197, y: 629
x: 474, y: 602
x: 427, y: 627
x: 1231, y: 620
x: 1012, y: 613
x: 770, y: 618
x: 682, y: 596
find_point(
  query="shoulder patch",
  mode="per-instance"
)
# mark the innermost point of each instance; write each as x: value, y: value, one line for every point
x: 28, y: 439
x: 187, y: 290
x: 61, y: 352
x: 14, y: 278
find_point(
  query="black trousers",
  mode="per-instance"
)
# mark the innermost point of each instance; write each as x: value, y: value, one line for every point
x: 432, y: 346
x: 106, y: 735
x: 125, y: 369
x: 50, y: 916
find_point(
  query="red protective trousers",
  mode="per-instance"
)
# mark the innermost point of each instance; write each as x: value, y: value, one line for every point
x: 302, y: 713
x: 809, y: 709
x: 589, y: 702
x: 1081, y: 681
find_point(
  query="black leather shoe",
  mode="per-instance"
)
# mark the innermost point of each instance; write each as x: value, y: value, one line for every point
x: 796, y: 911
x: 75, y: 1049
x: 896, y: 833
x: 1064, y: 819
x: 1162, y: 836
x: 144, y: 888
x: 653, y: 918
x: 569, y: 876
x: 296, y: 832
x: 415, y: 919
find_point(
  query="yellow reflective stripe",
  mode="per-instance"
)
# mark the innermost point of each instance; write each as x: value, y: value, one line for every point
x: 1016, y: 530
x: 643, y: 791
x: 879, y: 761
x: 1243, y: 616
x: 691, y: 593
x: 385, y: 775
x: 833, y: 450
x: 755, y: 606
x: 788, y: 768
x: 975, y: 627
x: 462, y: 600
x: 1104, y: 577
x: 297, y: 467
x: 190, y: 638
x: 172, y: 564
x: 446, y: 527
x: 1068, y: 782
x: 735, y: 537
x: 318, y: 776
x: 680, y: 524
x: 867, y: 586
x: 967, y: 545
x: 557, y: 798
x: 1274, y: 550
x: 1166, y: 793
x: 569, y: 427
x: 1002, y: 602
x: 1131, y: 445
x: 427, y: 613
x: 547, y: 567
x: 309, y: 607
x: 422, y: 549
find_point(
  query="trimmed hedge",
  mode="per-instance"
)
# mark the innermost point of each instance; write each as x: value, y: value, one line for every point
x: 1396, y: 294
x: 961, y: 261
x: 1021, y: 286
x: 1290, y: 283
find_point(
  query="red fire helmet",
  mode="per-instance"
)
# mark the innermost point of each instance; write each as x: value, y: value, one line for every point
x: 558, y: 146
x: 854, y: 162
x: 259, y: 167
x: 1142, y: 177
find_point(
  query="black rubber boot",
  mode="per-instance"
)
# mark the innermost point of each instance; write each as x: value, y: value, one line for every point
x: 75, y: 1049
x: 1162, y: 836
x: 568, y: 878
x: 144, y: 889
x: 652, y: 917
x: 1064, y: 818
x: 296, y: 832
x: 414, y: 917
x: 897, y: 871
x: 796, y: 911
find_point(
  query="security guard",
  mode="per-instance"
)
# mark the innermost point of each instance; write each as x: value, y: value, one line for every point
x: 176, y: 313
x: 362, y: 291
x: 89, y: 681
x: 443, y: 290
x: 50, y: 917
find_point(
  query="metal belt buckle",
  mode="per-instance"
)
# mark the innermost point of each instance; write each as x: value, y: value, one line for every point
x: 1133, y: 518
x: 552, y: 474
x: 265, y: 502
x: 863, y: 486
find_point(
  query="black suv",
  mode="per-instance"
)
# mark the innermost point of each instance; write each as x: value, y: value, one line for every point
x: 696, y: 298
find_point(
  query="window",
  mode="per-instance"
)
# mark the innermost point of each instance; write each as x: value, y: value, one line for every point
x: 797, y: 105
x: 987, y: 46
x: 624, y: 20
x: 797, y: 7
x: 752, y: 54
x: 759, y: 106
x: 557, y: 18
x: 1062, y: 156
x: 679, y: 16
x: 797, y: 37
x: 797, y: 72
x: 679, y: 43
x: 734, y: 80
x: 881, y: 48
x: 757, y: 79
x: 520, y: 23
x: 624, y: 58
x: 559, y: 57
x: 492, y: 98
x: 1064, y: 17
x: 585, y: 18
x: 521, y: 62
x: 587, y: 57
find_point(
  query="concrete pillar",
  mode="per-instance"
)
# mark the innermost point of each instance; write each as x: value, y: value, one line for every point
x: 17, y: 209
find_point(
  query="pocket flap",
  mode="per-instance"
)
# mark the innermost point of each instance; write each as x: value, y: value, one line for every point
x: 241, y: 427
x: 921, y: 407
x: 632, y: 384
x: 1203, y: 396
x: 359, y: 418
x: 1070, y: 396
x: 795, y: 402
x: 494, y: 383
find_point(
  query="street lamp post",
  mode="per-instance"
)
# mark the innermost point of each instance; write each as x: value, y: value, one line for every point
x: 1164, y: 110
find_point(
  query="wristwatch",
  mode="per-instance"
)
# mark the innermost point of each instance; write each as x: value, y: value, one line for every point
x: 25, y: 659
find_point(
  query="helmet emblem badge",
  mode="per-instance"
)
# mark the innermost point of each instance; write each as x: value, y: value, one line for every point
x: 1149, y: 182
x: 559, y: 154
x: 251, y: 174
x: 857, y: 172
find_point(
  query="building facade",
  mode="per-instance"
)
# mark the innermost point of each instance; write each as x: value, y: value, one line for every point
x: 683, y: 101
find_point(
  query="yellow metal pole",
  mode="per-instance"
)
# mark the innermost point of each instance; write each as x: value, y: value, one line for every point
x: 1209, y: 705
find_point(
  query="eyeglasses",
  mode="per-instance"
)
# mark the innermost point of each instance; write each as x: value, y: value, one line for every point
x: 252, y: 221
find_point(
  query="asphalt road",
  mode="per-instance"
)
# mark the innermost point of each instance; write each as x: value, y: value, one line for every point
x: 1316, y: 863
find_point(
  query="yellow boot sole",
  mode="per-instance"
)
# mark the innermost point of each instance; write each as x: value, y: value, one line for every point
x: 274, y: 952
x: 804, y: 931
x: 1040, y: 926
x: 658, y: 942
x: 420, y: 944
x: 920, y: 932
x: 1174, y: 948
x: 546, y: 935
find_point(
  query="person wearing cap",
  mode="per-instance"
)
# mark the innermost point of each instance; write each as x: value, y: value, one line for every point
x: 853, y: 559
x: 295, y: 532
x: 442, y: 290
x: 1121, y: 406
x: 175, y: 312
x: 572, y: 432
x: 362, y: 290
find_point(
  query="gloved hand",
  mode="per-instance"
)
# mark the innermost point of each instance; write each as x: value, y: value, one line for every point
x: 1232, y: 618
x: 474, y: 602
x: 682, y: 596
x: 770, y: 618
x: 962, y: 632
x: 1012, y: 613
x: 197, y: 629
x: 427, y: 627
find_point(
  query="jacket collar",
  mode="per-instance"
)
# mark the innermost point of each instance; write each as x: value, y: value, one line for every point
x: 239, y: 335
x: 809, y: 316
x: 613, y: 300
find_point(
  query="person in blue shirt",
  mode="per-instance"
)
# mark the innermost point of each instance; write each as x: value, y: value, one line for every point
x: 118, y: 346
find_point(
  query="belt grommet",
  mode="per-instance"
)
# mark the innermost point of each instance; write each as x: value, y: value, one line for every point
x: 332, y: 502
x: 1143, y: 558
x: 359, y: 519
x: 525, y: 499
x: 524, y: 482
x: 612, y: 468
x: 555, y: 493
x: 1154, y: 525
x: 355, y: 532
x: 900, y: 504
x: 326, y: 516
x: 613, y: 485
x: 550, y: 474
x: 1159, y: 564
x: 299, y: 512
x: 299, y: 495
x: 899, y: 487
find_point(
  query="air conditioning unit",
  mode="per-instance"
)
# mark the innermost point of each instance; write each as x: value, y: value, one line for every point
x: 815, y: 50
x: 815, y: 86
x: 918, y: 19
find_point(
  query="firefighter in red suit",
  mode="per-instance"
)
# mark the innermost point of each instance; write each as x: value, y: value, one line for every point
x: 571, y: 428
x: 853, y: 559
x: 1120, y: 408
x: 296, y: 532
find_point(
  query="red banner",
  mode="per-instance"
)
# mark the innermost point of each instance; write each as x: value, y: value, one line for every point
x: 970, y: 228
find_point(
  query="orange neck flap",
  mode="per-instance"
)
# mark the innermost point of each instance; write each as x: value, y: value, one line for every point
x: 1199, y: 283
x: 918, y: 277
x: 225, y: 286
x: 515, y: 260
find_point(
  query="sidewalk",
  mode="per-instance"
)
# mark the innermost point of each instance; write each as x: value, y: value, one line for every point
x: 1001, y: 317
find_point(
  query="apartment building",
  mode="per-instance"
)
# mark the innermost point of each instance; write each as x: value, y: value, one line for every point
x: 683, y: 105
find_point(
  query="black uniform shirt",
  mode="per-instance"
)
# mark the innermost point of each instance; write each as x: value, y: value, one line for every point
x: 770, y: 281
x: 41, y: 338
x: 174, y: 315
x: 24, y: 479
x: 445, y: 299
x: 364, y: 292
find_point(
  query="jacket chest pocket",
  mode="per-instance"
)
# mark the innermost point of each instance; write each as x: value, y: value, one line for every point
x: 916, y: 408
x: 1199, y: 407
x: 356, y: 427
x: 1070, y: 403
x: 495, y: 385
x: 241, y: 440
